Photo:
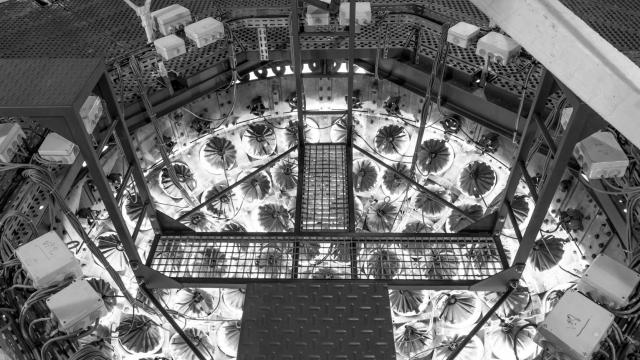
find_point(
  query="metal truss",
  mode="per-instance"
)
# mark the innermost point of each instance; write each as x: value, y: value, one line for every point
x: 64, y: 118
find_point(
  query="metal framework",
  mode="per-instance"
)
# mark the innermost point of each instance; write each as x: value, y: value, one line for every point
x: 180, y: 257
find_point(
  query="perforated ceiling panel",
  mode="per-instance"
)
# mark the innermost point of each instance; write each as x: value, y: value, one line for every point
x: 618, y: 21
x: 108, y: 28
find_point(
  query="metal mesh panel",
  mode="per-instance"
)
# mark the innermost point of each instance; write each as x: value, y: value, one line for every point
x: 615, y: 20
x: 104, y: 28
x: 324, y: 188
x: 238, y: 258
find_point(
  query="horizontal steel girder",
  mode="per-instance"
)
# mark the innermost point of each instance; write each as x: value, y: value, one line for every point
x: 458, y: 94
x: 600, y: 75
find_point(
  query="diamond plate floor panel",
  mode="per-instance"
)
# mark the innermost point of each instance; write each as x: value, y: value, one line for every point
x: 317, y: 321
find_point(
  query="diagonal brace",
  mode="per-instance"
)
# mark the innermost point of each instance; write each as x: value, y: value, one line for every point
x: 237, y: 183
x: 431, y: 194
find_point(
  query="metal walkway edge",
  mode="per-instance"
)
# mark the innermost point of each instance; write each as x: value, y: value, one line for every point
x: 402, y: 260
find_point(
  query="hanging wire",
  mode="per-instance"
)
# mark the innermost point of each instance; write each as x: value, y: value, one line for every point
x: 522, y: 99
x: 42, y: 178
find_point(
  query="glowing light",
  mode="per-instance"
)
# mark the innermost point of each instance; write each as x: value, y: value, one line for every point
x: 252, y: 76
x: 270, y: 73
x: 287, y: 70
x: 343, y: 68
x: 41, y: 207
x: 306, y: 69
x: 84, y: 164
x: 360, y: 70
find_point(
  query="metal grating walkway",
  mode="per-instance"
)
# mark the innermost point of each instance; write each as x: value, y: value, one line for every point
x: 210, y: 259
x: 316, y: 321
x: 324, y: 188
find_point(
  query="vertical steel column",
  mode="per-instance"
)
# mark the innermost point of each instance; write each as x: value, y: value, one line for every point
x: 296, y: 55
x: 166, y: 161
x: 124, y: 141
x: 545, y: 88
x: 349, y: 141
x: 75, y: 127
x: 577, y: 128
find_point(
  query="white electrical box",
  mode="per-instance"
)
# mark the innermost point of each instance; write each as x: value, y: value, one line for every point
x: 498, y: 48
x: 462, y: 34
x: 90, y: 112
x: 77, y: 306
x: 170, y: 46
x: 11, y: 135
x: 170, y: 19
x: 609, y: 282
x: 600, y: 156
x: 58, y: 149
x: 48, y: 261
x: 316, y: 16
x: 205, y: 32
x: 363, y: 13
x: 576, y: 325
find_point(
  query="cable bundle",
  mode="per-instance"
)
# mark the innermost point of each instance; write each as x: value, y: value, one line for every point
x: 89, y: 353
x: 42, y: 178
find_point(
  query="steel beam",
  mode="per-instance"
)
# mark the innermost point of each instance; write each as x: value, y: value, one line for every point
x: 172, y: 322
x: 349, y: 140
x: 457, y: 96
x: 577, y: 128
x: 353, y: 248
x: 617, y: 219
x: 598, y: 73
x: 123, y: 139
x: 301, y: 106
x: 480, y: 323
x: 237, y: 183
x: 528, y: 180
x: 166, y: 161
x: 431, y: 194
x: 75, y: 126
x: 545, y: 88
